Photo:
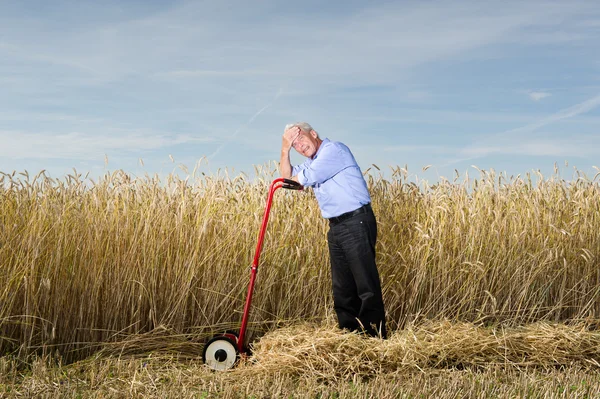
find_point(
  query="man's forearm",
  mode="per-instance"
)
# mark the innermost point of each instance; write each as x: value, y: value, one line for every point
x: 285, y: 166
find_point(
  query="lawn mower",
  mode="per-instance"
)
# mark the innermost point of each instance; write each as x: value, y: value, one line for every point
x: 223, y: 350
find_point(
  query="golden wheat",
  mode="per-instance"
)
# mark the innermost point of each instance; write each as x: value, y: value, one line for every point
x: 88, y: 263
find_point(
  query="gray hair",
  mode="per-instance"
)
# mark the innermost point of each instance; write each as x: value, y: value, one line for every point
x: 302, y: 125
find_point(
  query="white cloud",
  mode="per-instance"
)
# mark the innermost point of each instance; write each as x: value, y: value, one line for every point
x: 217, y: 65
x: 200, y: 73
x: 425, y: 149
x: 418, y: 96
x: 515, y: 135
x: 577, y: 146
x: 200, y: 40
x: 83, y: 146
x: 538, y: 95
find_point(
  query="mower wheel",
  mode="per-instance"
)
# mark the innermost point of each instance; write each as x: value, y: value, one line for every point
x: 220, y: 353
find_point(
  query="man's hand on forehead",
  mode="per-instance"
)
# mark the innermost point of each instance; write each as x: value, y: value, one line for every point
x: 292, y: 134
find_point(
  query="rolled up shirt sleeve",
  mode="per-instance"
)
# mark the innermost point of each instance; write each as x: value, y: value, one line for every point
x: 297, y: 168
x: 329, y: 162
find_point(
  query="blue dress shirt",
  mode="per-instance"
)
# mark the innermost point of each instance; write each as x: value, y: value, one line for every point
x: 336, y: 179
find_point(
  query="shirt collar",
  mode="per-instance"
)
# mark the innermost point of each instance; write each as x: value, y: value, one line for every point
x: 325, y: 140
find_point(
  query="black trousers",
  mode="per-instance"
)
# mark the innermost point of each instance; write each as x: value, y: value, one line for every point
x: 357, y: 297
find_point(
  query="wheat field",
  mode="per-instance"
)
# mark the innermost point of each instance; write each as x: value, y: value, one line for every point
x: 125, y: 268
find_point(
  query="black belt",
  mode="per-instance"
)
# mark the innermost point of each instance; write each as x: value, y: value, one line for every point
x: 345, y: 216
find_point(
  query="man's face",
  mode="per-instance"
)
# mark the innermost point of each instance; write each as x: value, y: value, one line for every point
x: 306, y: 143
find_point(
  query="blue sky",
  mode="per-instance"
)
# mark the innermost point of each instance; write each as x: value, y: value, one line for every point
x: 512, y: 85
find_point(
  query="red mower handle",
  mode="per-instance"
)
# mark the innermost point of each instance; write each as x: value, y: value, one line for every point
x: 222, y: 352
x: 275, y: 185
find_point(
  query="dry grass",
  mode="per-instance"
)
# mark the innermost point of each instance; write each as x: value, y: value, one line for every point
x: 128, y: 265
x: 166, y: 377
x: 329, y: 354
x: 437, y: 359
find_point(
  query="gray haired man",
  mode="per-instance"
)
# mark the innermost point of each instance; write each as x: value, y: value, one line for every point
x: 341, y: 191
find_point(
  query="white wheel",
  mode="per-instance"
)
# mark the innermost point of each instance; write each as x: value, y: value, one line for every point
x: 220, y: 353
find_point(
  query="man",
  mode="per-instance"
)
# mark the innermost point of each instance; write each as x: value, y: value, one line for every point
x: 343, y: 197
